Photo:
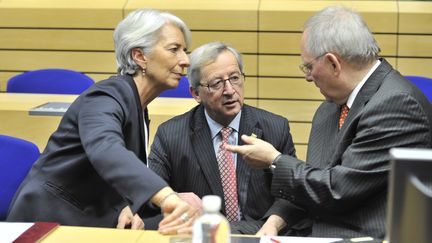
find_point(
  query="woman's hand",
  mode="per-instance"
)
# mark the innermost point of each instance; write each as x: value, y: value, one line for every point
x: 179, y: 215
x: 127, y: 220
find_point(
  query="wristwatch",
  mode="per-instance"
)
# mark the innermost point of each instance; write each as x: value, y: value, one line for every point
x: 273, y: 165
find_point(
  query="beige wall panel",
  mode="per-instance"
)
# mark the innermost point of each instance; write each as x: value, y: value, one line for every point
x: 392, y: 61
x: 250, y: 64
x: 281, y: 15
x: 99, y: 77
x: 242, y: 41
x: 209, y: 14
x: 4, y: 77
x: 251, y: 87
x: 415, y: 17
x: 300, y: 132
x: 279, y: 43
x: 415, y: 66
x: 294, y: 111
x: 57, y: 39
x: 301, y: 151
x: 289, y: 43
x: 387, y: 43
x: 272, y: 65
x: 415, y: 45
x: 78, y: 61
x: 288, y: 88
x: 251, y: 102
x: 61, y: 14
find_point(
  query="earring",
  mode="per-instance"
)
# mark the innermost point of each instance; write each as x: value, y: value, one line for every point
x: 143, y: 71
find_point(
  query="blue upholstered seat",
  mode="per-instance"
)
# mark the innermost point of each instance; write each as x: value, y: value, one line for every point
x: 49, y: 81
x: 182, y: 90
x: 423, y: 83
x: 16, y: 158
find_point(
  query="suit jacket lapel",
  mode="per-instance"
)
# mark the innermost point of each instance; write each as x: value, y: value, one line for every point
x: 369, y: 88
x: 322, y: 140
x: 203, y: 148
x: 248, y: 125
x: 142, y: 154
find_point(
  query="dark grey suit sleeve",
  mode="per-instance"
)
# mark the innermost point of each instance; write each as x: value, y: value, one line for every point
x: 103, y: 141
x: 396, y: 120
x: 158, y: 158
x: 290, y: 213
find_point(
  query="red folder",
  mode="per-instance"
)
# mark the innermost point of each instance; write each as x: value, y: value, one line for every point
x: 36, y: 232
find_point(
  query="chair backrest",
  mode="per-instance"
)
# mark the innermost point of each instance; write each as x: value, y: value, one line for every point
x: 423, y: 83
x: 182, y: 90
x: 16, y: 158
x: 49, y: 81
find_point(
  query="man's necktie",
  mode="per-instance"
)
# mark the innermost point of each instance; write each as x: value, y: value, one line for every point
x: 228, y: 177
x: 343, y: 115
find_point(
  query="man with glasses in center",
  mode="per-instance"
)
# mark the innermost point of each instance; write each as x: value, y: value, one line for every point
x: 188, y: 150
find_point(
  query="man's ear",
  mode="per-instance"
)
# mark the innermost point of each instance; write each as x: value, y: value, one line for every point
x: 139, y: 57
x: 335, y: 62
x: 195, y: 94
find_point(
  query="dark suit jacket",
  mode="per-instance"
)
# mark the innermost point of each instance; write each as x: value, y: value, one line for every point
x: 94, y: 163
x: 182, y: 153
x: 343, y: 184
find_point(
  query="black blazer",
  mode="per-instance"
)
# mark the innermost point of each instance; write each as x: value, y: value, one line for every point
x: 343, y: 184
x: 93, y: 164
x: 182, y: 153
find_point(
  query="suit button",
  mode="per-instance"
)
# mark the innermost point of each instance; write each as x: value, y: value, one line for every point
x: 280, y: 194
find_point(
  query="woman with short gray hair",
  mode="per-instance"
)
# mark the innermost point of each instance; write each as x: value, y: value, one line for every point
x: 93, y: 171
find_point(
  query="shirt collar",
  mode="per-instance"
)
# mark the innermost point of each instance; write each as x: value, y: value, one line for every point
x: 356, y: 90
x: 216, y: 127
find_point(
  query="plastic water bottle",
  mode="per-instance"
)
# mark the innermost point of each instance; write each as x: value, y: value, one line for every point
x: 211, y: 227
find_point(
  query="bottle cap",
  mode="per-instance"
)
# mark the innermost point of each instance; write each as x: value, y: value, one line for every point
x: 211, y: 203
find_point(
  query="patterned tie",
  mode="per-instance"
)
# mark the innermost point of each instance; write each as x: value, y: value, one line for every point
x: 228, y: 176
x: 343, y: 115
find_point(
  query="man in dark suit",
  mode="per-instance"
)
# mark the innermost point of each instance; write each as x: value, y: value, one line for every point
x: 186, y: 149
x: 342, y: 187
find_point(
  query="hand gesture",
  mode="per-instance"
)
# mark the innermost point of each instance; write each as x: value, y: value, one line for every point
x: 256, y: 152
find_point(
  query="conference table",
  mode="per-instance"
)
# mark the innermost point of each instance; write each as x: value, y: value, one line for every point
x: 17, y: 120
x: 74, y: 234
x: 26, y: 232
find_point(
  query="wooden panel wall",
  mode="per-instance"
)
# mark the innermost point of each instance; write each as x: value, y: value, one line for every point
x: 78, y: 35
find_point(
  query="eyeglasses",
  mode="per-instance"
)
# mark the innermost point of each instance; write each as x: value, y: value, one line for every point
x: 306, y: 68
x: 218, y: 84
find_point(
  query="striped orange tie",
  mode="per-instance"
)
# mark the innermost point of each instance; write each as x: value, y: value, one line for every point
x: 343, y: 115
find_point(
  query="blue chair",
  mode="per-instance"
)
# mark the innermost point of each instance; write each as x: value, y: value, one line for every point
x: 49, y: 81
x: 423, y: 83
x: 182, y: 90
x: 16, y: 158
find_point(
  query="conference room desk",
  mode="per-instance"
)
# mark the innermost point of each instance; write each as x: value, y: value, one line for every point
x: 74, y: 234
x: 16, y: 120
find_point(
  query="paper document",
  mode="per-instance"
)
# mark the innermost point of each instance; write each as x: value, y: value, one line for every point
x: 10, y: 231
x: 288, y: 239
x: 50, y: 109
